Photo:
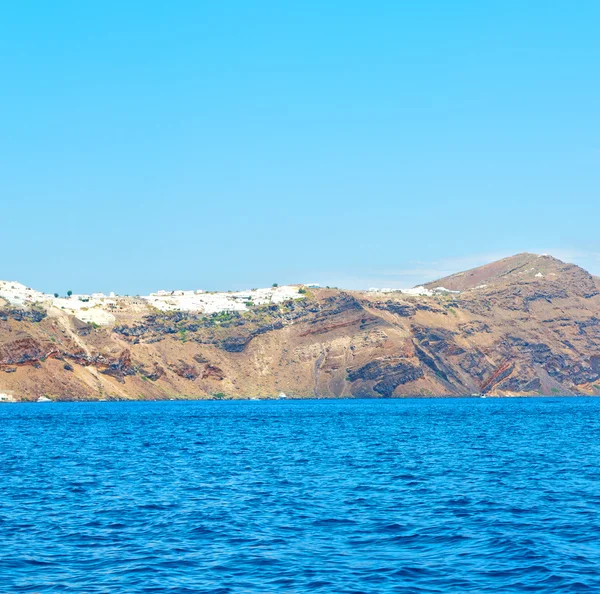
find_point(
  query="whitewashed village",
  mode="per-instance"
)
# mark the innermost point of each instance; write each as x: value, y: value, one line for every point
x: 98, y: 308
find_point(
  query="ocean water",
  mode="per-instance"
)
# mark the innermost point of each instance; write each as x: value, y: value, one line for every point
x: 353, y: 496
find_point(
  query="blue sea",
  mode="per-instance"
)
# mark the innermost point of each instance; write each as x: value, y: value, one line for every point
x: 349, y: 496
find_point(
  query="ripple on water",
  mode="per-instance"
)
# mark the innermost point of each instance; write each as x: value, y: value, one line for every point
x: 328, y: 496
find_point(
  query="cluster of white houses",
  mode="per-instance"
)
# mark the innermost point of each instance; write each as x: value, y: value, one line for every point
x: 98, y: 308
x: 220, y: 302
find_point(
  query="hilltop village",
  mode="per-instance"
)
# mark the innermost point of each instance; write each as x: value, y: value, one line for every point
x: 99, y: 309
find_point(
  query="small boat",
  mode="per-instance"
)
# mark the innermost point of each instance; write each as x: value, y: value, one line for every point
x: 282, y: 395
x: 44, y: 399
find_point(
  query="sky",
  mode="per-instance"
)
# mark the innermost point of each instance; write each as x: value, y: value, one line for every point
x: 226, y: 145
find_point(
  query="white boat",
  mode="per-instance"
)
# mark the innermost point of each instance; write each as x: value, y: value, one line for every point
x: 44, y: 399
x: 282, y: 396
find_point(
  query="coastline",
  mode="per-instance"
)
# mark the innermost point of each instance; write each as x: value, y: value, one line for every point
x: 306, y: 399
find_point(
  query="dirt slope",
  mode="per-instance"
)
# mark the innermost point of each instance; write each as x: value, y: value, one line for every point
x: 514, y: 270
x: 524, y: 325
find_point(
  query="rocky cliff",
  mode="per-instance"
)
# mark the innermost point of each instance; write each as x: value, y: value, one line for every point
x: 524, y: 325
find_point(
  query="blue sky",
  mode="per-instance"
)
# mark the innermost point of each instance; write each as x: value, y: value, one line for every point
x: 233, y: 144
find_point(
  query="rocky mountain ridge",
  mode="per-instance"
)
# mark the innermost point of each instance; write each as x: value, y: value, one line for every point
x: 526, y: 325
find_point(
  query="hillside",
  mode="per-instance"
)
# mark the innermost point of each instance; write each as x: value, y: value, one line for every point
x: 527, y: 324
x: 514, y: 270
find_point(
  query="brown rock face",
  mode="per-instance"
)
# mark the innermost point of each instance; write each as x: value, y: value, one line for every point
x: 24, y: 351
x: 212, y: 372
x: 524, y: 325
x: 388, y: 374
x: 118, y: 368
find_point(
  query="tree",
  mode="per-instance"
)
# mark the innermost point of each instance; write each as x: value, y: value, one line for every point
x: 275, y: 285
x: 55, y: 295
x: 69, y: 293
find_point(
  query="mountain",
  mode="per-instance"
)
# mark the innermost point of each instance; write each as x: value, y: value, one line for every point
x: 527, y: 324
x: 519, y: 269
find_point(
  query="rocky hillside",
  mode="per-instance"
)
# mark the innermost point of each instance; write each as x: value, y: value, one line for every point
x: 527, y: 324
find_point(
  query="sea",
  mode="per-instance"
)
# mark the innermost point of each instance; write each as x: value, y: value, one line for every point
x: 340, y: 496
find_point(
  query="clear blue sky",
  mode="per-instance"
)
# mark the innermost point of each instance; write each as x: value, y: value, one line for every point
x: 233, y: 144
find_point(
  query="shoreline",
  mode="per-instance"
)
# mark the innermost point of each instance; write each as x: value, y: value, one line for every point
x: 292, y: 399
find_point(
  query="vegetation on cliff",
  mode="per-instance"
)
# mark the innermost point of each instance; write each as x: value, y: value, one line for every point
x: 527, y: 325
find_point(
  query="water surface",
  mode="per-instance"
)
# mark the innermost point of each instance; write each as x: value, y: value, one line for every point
x: 298, y: 496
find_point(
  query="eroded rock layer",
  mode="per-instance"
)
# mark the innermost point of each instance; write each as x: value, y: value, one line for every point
x: 525, y: 325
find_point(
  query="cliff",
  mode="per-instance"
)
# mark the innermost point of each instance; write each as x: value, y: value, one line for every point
x: 527, y: 325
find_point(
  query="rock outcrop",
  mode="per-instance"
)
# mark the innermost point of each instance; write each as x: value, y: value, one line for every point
x: 524, y: 325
